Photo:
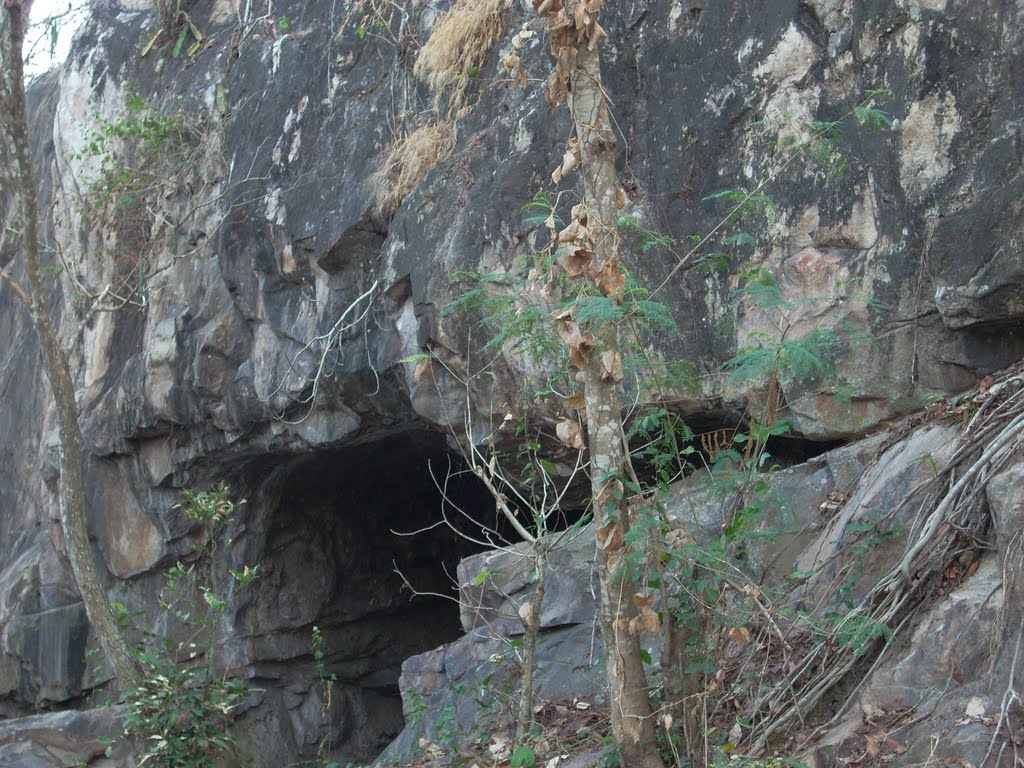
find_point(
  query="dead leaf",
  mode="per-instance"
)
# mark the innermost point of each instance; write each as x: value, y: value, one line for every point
x: 975, y: 707
x: 611, y: 366
x: 610, y: 536
x: 740, y: 635
x: 576, y: 232
x: 570, y: 159
x: 610, y: 494
x: 611, y: 281
x: 576, y: 402
x: 578, y: 261
x: 620, y: 198
x: 871, y: 712
x: 646, y: 619
x: 872, y: 747
x: 894, y: 746
x: 580, y: 347
x: 570, y: 434
x: 641, y: 600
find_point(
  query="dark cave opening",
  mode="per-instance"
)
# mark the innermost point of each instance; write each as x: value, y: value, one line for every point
x: 713, y: 432
x: 349, y: 530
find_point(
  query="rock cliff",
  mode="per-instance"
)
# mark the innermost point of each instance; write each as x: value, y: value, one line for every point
x: 240, y: 282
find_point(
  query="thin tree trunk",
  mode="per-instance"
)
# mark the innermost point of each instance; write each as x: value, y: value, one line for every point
x: 632, y: 718
x: 55, y: 361
x: 531, y: 623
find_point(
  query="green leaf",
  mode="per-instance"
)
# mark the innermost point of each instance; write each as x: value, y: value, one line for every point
x: 597, y: 310
x: 152, y: 41
x: 645, y: 656
x: 180, y: 42
x: 523, y: 757
x: 415, y: 358
x: 740, y: 238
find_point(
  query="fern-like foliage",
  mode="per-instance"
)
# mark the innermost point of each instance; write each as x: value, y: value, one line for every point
x: 794, y: 358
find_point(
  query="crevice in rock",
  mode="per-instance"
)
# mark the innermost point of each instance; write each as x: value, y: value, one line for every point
x: 338, y: 527
x: 786, y: 450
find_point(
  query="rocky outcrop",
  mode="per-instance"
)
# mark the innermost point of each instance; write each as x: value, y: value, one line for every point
x: 265, y: 305
x: 936, y: 686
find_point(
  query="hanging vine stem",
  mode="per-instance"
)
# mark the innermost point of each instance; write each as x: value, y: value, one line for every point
x: 951, y: 510
x: 327, y: 342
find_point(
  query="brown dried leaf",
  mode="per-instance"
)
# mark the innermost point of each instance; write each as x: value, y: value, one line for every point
x: 894, y: 746
x: 579, y: 355
x: 576, y: 232
x: 872, y: 747
x: 576, y: 402
x: 563, y: 319
x: 610, y: 494
x: 570, y: 434
x: 641, y: 600
x: 610, y: 537
x: 544, y: 7
x: 570, y: 159
x: 646, y: 619
x: 578, y: 261
x: 611, y: 366
x: 565, y: 62
x: 611, y: 281
x: 740, y: 635
x: 620, y: 198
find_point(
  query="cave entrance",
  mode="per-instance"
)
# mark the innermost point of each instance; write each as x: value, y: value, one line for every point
x: 332, y: 561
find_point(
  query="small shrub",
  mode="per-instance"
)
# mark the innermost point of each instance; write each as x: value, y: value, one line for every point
x: 184, y: 716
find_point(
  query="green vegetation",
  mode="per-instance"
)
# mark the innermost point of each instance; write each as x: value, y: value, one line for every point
x: 181, y: 715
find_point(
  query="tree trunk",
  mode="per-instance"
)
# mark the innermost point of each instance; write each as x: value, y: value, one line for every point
x: 55, y: 361
x: 531, y: 624
x: 632, y: 719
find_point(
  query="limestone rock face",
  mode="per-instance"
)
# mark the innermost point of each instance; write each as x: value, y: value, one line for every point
x: 260, y: 307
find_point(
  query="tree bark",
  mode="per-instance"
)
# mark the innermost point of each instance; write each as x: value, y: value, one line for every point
x: 632, y: 719
x: 55, y: 361
x: 531, y: 624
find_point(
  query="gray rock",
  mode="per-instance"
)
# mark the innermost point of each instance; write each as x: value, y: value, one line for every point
x: 256, y: 258
x: 60, y: 739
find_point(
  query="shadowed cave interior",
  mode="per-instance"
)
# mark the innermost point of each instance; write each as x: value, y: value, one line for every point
x: 330, y: 557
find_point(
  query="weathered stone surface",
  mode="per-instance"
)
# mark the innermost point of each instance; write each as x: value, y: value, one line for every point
x: 949, y: 649
x: 60, y: 739
x: 494, y: 585
x: 1005, y: 494
x: 268, y: 266
x: 456, y: 693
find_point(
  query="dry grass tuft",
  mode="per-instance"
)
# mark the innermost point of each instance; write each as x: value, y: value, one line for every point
x: 404, y: 164
x: 458, y: 46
